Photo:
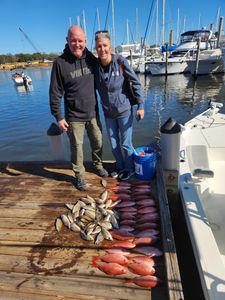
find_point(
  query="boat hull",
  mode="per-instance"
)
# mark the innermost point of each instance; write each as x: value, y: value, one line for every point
x: 19, y: 81
x: 174, y: 66
x: 210, y: 62
x: 202, y: 191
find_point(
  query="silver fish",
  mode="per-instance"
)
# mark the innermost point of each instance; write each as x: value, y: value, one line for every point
x: 65, y: 221
x: 99, y: 238
x: 58, y: 224
x: 108, y: 203
x: 106, y: 234
x: 70, y: 217
x: 114, y: 222
x: 106, y: 225
x: 74, y: 227
x: 86, y: 237
x: 104, y: 195
x: 69, y: 206
x: 76, y: 207
x: 104, y: 183
x: 97, y: 229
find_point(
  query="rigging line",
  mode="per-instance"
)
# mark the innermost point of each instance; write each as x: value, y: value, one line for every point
x: 146, y: 30
x: 93, y: 33
x: 106, y: 19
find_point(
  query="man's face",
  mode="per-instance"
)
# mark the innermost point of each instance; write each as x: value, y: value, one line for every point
x: 77, y: 43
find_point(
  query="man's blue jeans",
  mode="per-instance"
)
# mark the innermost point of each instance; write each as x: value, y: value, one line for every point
x: 120, y: 135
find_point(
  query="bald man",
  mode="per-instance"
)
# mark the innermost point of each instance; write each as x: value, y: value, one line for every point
x: 72, y: 78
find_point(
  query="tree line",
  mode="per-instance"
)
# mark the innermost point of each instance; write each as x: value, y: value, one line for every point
x: 22, y: 57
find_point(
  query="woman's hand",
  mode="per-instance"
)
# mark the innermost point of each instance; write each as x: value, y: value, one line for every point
x: 140, y: 113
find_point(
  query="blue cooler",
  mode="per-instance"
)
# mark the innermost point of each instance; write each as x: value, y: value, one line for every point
x: 145, y: 166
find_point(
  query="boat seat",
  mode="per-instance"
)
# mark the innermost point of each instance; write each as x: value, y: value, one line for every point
x: 197, y: 156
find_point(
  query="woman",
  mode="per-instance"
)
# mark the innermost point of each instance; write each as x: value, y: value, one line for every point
x: 115, y: 102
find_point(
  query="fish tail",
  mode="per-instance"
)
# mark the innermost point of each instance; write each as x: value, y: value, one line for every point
x: 95, y: 259
x: 127, y: 280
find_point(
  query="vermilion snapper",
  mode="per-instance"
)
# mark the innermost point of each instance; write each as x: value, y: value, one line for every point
x: 141, y: 258
x: 122, y: 235
x: 142, y: 268
x: 128, y: 209
x: 122, y: 244
x: 147, y: 225
x: 148, y: 209
x: 145, y: 240
x: 148, y: 250
x: 111, y: 258
x: 110, y: 268
x: 148, y: 281
x: 146, y: 202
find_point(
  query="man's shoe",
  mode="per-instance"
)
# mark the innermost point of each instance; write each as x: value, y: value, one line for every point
x: 80, y: 183
x: 125, y: 175
x: 115, y: 173
x: 102, y: 172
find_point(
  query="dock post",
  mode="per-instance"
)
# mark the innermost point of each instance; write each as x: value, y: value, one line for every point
x: 219, y: 32
x: 131, y: 58
x: 197, y: 59
x: 166, y: 65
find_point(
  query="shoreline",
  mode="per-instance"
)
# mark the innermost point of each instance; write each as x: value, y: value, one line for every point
x: 22, y: 67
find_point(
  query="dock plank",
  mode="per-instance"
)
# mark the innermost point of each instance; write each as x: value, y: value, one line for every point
x: 36, y: 262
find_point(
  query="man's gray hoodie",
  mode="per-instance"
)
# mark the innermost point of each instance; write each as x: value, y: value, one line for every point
x: 73, y: 78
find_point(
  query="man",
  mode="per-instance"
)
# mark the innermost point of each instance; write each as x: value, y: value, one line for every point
x: 72, y: 77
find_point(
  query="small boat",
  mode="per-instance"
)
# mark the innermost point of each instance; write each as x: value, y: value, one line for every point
x: 202, y: 191
x: 21, y: 79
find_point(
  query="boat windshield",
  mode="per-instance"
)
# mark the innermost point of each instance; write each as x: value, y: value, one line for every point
x: 192, y: 36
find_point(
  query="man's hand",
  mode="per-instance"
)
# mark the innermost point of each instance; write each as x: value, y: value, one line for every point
x: 140, y: 113
x: 63, y: 125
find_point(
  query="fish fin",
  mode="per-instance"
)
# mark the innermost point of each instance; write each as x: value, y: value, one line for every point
x: 95, y: 259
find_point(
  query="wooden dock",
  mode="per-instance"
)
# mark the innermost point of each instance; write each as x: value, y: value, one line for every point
x: 37, y: 262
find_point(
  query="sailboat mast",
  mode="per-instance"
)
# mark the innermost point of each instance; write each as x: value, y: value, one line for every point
x: 128, y: 40
x: 136, y: 24
x: 98, y: 18
x: 178, y: 24
x: 163, y: 21
x: 113, y: 24
x: 156, y: 22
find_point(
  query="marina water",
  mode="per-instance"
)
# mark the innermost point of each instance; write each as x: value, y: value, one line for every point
x: 25, y: 114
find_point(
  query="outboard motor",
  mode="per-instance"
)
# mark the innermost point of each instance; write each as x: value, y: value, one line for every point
x: 170, y: 144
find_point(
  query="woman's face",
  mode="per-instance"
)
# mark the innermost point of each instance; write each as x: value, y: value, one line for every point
x: 103, y: 48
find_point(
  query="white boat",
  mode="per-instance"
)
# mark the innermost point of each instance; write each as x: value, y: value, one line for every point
x: 21, y: 79
x: 177, y: 60
x: 210, y: 62
x: 202, y: 191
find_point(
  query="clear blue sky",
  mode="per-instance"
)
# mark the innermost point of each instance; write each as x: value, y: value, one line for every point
x: 45, y: 22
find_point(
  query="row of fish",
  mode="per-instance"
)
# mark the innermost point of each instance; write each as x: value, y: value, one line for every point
x: 138, y: 219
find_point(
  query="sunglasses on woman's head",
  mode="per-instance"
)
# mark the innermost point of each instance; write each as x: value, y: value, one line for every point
x: 102, y: 33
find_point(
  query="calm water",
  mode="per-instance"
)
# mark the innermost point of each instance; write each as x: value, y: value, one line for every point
x: 25, y: 115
